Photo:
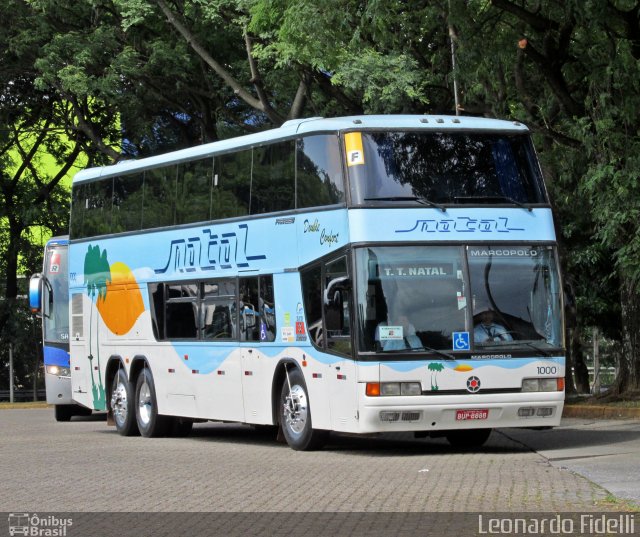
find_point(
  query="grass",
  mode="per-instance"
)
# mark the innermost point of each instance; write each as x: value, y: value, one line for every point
x: 29, y: 404
x: 619, y: 504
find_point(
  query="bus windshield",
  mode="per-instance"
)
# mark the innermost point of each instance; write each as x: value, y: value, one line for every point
x: 55, y: 312
x: 414, y: 299
x: 516, y: 290
x: 445, y: 168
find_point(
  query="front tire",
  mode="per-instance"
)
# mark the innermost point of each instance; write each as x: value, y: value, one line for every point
x: 295, y: 415
x: 122, y: 405
x: 150, y: 423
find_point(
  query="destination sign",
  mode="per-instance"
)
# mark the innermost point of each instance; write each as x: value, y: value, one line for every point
x: 423, y: 270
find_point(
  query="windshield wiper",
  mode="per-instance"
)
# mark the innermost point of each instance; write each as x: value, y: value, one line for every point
x: 444, y: 354
x: 515, y: 343
x: 535, y: 347
x: 471, y: 199
x: 423, y: 201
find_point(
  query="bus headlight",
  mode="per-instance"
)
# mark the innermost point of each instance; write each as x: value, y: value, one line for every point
x: 375, y: 389
x: 58, y: 370
x: 543, y: 385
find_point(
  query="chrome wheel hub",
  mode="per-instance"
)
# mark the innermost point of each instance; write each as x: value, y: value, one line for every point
x: 119, y: 403
x: 296, y: 410
x: 144, y: 404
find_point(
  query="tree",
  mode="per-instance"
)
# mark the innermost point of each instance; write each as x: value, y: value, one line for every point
x: 570, y: 70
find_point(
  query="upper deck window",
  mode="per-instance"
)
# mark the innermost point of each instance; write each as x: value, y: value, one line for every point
x: 301, y: 173
x: 443, y: 168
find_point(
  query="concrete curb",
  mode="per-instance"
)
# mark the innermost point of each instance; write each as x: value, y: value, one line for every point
x: 600, y: 412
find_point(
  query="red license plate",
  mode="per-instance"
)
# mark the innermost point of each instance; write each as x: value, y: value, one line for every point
x: 472, y: 414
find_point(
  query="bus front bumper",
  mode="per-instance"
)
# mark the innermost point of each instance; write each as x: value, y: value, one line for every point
x: 442, y: 413
x: 58, y: 389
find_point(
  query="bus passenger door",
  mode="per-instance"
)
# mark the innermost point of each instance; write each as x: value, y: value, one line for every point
x: 337, y: 319
x: 256, y: 321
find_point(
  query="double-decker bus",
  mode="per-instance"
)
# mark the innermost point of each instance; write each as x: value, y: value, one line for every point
x: 49, y: 298
x: 361, y: 275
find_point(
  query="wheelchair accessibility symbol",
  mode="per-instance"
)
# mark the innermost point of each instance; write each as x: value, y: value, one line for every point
x: 461, y: 341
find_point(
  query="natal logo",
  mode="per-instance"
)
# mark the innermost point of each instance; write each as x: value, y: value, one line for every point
x: 118, y: 300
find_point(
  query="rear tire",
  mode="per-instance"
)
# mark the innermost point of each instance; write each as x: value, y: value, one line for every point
x: 150, y: 423
x: 122, y: 405
x: 295, y: 415
x: 468, y: 438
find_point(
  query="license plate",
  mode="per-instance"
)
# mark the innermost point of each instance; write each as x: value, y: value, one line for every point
x: 473, y: 414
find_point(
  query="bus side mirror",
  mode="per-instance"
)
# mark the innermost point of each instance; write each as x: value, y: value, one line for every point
x: 35, y: 293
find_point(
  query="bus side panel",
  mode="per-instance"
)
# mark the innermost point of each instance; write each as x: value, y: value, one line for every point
x: 83, y: 385
x: 219, y: 392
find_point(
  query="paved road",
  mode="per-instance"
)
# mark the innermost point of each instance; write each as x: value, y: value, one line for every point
x: 85, y: 466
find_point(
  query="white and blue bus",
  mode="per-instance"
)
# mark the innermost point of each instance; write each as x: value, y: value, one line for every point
x: 360, y: 275
x: 49, y: 298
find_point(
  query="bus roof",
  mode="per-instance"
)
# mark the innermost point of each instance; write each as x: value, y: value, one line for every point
x: 61, y: 240
x: 297, y: 127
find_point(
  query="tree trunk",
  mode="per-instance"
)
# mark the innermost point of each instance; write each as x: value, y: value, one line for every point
x: 569, y: 384
x: 628, y: 361
x: 581, y: 373
x: 596, y: 361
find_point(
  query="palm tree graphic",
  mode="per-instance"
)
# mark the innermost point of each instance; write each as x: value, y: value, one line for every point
x: 435, y: 368
x: 96, y: 276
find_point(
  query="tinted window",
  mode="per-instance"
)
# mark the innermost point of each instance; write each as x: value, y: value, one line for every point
x: 159, y: 197
x: 257, y: 309
x: 156, y: 291
x: 452, y: 168
x: 319, y: 172
x: 193, y: 199
x: 76, y: 222
x: 273, y: 178
x: 337, y: 317
x: 126, y: 213
x: 312, y: 295
x: 414, y: 297
x: 218, y: 313
x: 516, y: 296
x: 55, y: 314
x: 96, y: 202
x: 232, y: 185
x: 181, y: 311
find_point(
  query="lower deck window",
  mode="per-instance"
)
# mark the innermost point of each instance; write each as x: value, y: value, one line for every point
x: 224, y: 309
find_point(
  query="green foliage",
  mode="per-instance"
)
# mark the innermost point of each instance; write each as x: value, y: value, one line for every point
x: 570, y: 70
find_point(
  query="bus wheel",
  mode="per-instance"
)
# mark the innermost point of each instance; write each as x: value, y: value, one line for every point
x: 468, y: 438
x: 295, y: 415
x: 122, y: 405
x: 150, y: 423
x: 63, y: 412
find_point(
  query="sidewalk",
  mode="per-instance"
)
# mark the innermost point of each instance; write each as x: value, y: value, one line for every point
x: 605, y: 451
